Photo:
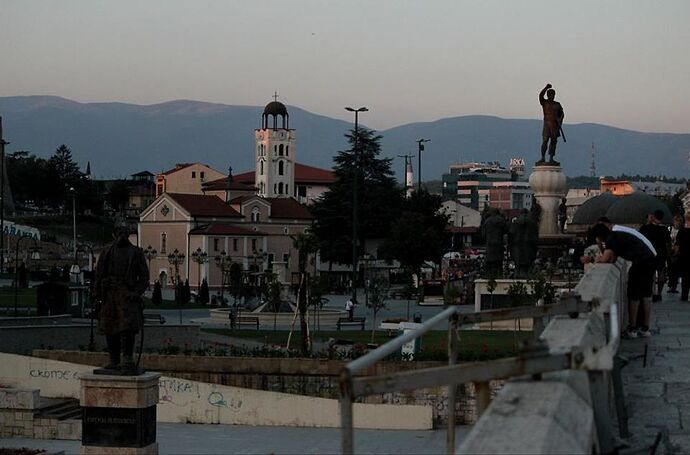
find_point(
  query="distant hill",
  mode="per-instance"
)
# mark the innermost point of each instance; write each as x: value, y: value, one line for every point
x: 120, y: 139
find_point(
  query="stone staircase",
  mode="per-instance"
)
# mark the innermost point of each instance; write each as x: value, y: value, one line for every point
x: 24, y: 413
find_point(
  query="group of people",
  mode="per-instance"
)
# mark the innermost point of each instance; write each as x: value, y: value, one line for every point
x: 657, y: 252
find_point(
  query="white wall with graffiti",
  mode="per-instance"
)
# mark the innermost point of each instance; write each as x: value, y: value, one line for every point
x: 184, y: 401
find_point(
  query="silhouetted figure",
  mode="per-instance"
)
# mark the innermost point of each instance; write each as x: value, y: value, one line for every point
x: 553, y: 119
x: 121, y: 278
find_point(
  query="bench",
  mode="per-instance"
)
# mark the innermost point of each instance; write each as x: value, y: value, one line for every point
x: 153, y: 318
x: 354, y: 321
x: 244, y: 320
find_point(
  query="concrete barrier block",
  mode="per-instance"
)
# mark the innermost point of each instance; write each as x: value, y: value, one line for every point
x: 534, y: 417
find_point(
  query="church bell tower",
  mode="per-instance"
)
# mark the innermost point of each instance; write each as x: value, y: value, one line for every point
x: 275, y: 152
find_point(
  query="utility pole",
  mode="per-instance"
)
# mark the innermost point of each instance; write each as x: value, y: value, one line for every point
x: 420, y: 149
x: 2, y: 199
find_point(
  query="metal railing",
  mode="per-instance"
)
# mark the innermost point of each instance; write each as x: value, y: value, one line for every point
x: 533, y: 360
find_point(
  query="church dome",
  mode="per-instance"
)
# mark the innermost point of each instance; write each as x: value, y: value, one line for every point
x: 275, y: 108
x: 634, y: 208
x: 593, y: 209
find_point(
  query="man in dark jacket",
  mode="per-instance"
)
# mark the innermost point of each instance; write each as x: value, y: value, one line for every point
x: 121, y: 278
x: 661, y: 240
x: 640, y: 276
x: 682, y: 248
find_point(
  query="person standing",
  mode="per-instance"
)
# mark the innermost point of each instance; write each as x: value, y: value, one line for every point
x: 682, y: 248
x: 122, y: 276
x: 562, y: 215
x: 350, y: 308
x: 661, y: 240
x: 553, y: 119
x: 673, y: 265
x: 640, y: 275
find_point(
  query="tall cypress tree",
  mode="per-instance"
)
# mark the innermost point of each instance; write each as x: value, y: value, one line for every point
x: 379, y: 198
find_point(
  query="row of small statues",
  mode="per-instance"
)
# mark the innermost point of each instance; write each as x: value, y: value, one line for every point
x: 522, y: 234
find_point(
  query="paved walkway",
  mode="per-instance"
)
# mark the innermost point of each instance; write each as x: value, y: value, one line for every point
x: 658, y: 394
x: 230, y: 439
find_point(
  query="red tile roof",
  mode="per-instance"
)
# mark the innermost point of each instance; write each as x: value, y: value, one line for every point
x: 225, y: 229
x: 203, y: 205
x: 222, y: 184
x: 303, y: 174
x: 287, y: 207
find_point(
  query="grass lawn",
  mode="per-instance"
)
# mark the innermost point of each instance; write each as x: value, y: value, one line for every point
x: 472, y: 342
x: 25, y: 297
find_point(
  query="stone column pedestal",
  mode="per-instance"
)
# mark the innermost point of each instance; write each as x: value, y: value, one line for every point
x: 119, y: 414
x: 548, y: 184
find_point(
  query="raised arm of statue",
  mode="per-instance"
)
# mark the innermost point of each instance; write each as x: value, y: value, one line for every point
x: 542, y: 94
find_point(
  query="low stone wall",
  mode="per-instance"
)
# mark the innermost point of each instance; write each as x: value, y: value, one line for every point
x: 24, y: 339
x: 310, y: 377
x: 187, y: 401
x: 62, y: 319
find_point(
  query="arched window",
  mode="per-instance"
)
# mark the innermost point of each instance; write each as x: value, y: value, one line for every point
x: 261, y: 166
x: 281, y: 168
x: 280, y: 150
x: 255, y: 214
x: 280, y: 188
x: 164, y: 242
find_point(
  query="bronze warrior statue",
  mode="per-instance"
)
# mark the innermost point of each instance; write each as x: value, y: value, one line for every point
x: 121, y: 278
x: 524, y: 239
x: 494, y: 230
x: 553, y: 121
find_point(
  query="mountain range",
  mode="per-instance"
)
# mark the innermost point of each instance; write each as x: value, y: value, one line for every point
x: 119, y: 139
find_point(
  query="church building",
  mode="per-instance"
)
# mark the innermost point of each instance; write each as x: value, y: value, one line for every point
x: 248, y: 219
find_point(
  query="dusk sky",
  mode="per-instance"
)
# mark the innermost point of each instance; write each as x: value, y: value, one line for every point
x: 621, y: 63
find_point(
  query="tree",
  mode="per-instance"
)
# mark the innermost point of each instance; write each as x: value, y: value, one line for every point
x: 203, y: 292
x: 118, y: 195
x: 157, y: 296
x: 306, y: 245
x: 236, y: 288
x: 186, y: 292
x: 418, y: 234
x: 64, y: 166
x: 378, y: 291
x: 379, y: 199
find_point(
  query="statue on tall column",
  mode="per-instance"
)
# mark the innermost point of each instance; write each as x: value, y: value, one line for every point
x: 553, y: 121
x: 121, y: 278
x: 494, y: 230
x: 524, y: 237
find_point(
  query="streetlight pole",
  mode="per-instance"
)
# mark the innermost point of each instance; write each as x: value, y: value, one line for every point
x: 420, y: 149
x: 176, y: 258
x: 200, y: 257
x: 354, y: 201
x: 16, y: 270
x: 150, y: 253
x: 91, y: 313
x: 223, y: 261
x: 3, y: 143
x: 74, y: 222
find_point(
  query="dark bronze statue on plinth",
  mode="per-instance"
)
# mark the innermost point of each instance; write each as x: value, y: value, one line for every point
x: 553, y: 122
x: 494, y: 230
x: 121, y: 278
x: 524, y: 236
